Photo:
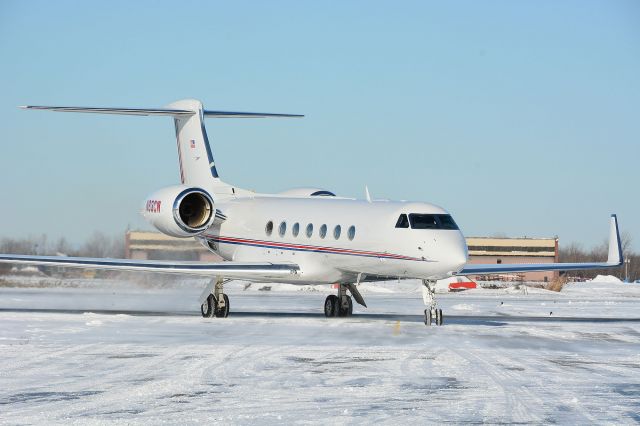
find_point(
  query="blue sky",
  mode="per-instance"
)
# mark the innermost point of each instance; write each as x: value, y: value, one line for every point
x: 521, y: 118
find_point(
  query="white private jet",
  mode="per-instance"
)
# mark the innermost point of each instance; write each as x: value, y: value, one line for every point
x: 299, y: 236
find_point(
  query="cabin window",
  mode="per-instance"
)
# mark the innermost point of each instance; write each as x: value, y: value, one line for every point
x: 282, y: 229
x: 403, y: 221
x: 352, y: 232
x: 295, y: 229
x: 336, y: 231
x: 269, y: 228
x: 323, y: 231
x: 309, y: 230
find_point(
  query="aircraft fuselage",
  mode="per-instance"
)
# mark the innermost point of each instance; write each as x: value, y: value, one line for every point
x: 334, y: 239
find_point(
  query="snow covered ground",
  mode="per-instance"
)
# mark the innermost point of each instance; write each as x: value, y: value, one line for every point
x: 98, y: 351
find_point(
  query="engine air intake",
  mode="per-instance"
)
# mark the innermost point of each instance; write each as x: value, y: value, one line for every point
x: 193, y: 210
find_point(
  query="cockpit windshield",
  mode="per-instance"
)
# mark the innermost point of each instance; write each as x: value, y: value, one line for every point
x: 426, y: 221
x: 423, y: 221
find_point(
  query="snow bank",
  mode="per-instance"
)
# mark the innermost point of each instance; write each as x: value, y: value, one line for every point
x: 606, y: 279
x: 600, y: 287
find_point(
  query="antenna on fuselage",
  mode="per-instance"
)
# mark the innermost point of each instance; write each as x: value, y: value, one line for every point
x: 366, y: 193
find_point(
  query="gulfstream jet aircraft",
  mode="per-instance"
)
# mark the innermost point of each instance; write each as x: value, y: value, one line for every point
x: 299, y: 236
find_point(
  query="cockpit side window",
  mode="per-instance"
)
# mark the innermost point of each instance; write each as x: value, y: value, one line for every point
x: 402, y: 222
x: 447, y: 222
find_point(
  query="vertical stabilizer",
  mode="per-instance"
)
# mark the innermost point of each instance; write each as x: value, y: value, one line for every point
x: 195, y: 158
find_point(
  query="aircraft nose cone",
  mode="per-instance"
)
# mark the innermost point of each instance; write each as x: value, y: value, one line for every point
x: 461, y: 258
x: 457, y: 252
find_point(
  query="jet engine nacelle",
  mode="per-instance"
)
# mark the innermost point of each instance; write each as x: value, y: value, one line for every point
x: 180, y: 211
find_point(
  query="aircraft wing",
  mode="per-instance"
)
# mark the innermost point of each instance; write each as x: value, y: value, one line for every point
x: 614, y: 260
x: 251, y: 271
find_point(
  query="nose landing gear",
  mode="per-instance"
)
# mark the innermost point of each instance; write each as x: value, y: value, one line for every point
x: 432, y: 313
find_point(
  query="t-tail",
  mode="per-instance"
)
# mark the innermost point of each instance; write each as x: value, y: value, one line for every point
x: 195, y: 157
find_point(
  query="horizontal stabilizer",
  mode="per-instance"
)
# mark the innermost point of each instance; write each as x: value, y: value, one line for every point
x: 230, y: 114
x: 123, y: 111
x: 161, y: 111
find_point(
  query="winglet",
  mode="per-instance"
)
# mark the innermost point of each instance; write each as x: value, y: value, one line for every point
x: 615, y: 246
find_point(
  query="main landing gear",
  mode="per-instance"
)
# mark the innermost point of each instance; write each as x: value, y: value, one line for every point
x: 216, y: 304
x: 340, y: 305
x: 432, y: 313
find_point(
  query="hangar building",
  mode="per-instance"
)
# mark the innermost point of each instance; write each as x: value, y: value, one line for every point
x: 144, y: 245
x: 514, y: 250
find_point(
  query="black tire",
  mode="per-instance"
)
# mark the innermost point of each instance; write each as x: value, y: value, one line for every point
x: 328, y: 307
x: 227, y: 307
x: 331, y: 306
x: 439, y: 318
x: 223, y: 312
x: 336, y: 305
x: 207, y: 308
x: 427, y: 317
x: 345, y: 312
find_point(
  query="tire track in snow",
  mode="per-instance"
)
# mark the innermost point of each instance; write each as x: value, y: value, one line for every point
x: 417, y: 362
x: 516, y: 398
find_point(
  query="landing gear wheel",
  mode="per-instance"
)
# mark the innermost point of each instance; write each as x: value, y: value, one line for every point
x: 331, y: 306
x: 206, y: 309
x: 439, y: 317
x: 427, y: 317
x: 345, y: 311
x: 223, y: 312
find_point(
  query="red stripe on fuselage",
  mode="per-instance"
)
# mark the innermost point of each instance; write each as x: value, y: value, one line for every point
x: 332, y: 250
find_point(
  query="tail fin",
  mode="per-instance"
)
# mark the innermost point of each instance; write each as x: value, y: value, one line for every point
x: 197, y: 166
x: 195, y: 158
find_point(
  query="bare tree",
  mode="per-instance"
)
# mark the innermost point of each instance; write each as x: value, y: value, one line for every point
x: 63, y: 248
x: 97, y: 245
x: 100, y: 245
x: 626, y: 241
x: 116, y: 249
